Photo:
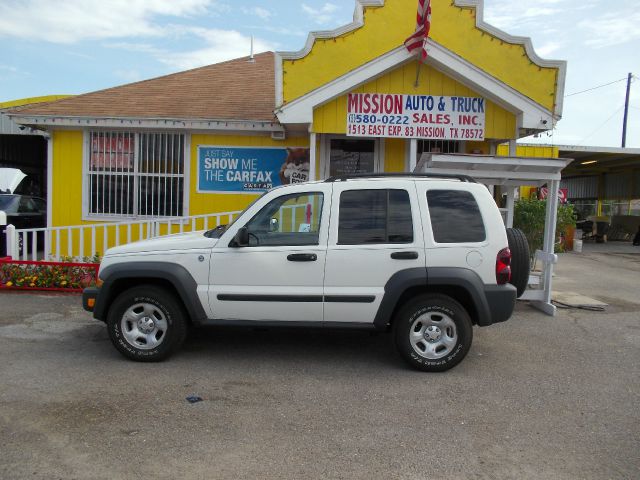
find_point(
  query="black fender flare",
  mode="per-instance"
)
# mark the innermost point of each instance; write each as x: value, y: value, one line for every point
x: 177, y: 275
x: 470, y: 282
x: 491, y: 303
x: 399, y: 283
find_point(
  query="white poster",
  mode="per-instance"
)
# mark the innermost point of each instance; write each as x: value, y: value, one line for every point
x: 415, y: 116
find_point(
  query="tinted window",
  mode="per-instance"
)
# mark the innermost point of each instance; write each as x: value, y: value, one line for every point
x: 455, y: 217
x: 375, y: 216
x: 40, y: 204
x: 400, y: 222
x: 27, y: 205
x: 9, y: 203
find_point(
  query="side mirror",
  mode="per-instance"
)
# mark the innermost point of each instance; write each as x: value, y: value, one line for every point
x: 274, y: 225
x: 242, y: 237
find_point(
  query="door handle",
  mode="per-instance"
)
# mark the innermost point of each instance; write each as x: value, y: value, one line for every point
x: 404, y: 255
x: 302, y: 257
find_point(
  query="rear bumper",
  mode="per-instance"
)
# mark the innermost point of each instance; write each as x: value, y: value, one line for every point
x: 89, y: 298
x: 501, y: 300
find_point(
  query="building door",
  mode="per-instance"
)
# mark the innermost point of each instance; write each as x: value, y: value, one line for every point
x: 348, y: 156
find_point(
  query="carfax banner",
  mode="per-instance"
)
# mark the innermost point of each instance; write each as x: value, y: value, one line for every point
x: 415, y: 116
x: 249, y: 169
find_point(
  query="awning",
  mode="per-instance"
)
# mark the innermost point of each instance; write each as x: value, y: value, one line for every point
x: 493, y: 170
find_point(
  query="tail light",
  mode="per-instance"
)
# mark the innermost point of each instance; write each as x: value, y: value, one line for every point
x: 503, y: 266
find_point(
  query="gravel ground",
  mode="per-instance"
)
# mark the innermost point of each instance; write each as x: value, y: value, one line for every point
x: 537, y: 397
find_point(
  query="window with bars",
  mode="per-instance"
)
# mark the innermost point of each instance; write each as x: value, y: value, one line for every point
x: 438, y: 146
x: 136, y: 174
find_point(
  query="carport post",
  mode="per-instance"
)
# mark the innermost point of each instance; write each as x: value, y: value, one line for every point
x: 413, y: 154
x: 511, y: 196
x: 548, y: 257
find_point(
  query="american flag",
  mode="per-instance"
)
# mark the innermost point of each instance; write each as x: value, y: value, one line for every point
x: 419, y: 38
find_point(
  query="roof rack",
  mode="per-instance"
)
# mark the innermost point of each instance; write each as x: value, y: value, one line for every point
x: 341, y: 178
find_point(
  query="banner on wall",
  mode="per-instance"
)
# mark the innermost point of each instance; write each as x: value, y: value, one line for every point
x: 250, y: 169
x: 112, y: 151
x: 563, y: 194
x: 415, y: 116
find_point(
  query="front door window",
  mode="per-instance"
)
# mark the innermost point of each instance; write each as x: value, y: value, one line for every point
x: 292, y: 220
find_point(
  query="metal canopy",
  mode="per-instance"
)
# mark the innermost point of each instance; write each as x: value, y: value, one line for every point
x: 492, y: 170
x: 513, y: 172
x: 596, y: 160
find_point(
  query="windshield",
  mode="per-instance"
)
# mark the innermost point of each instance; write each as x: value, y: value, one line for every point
x: 9, y: 203
x: 220, y: 229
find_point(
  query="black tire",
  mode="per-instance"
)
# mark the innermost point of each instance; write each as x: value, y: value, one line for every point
x: 156, y: 309
x: 427, y: 311
x: 520, y: 259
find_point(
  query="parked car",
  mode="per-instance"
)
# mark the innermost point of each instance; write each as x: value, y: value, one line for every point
x: 426, y: 257
x: 23, y: 211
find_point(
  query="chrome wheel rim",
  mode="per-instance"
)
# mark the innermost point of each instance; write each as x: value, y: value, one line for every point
x: 433, y: 335
x: 144, y: 326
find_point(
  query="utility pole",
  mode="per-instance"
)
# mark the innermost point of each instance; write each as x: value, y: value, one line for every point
x: 626, y: 112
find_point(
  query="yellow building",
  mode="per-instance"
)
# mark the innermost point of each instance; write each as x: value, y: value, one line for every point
x: 353, y: 100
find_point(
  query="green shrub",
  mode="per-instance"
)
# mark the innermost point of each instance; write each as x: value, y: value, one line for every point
x: 529, y: 216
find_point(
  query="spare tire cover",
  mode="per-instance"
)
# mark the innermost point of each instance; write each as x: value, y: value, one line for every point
x: 520, y: 261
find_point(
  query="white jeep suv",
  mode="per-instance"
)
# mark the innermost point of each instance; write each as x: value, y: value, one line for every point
x: 424, y: 256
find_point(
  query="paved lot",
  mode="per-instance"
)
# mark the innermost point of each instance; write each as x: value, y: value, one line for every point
x: 537, y: 397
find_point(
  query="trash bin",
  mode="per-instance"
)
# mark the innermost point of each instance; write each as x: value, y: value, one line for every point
x: 602, y: 228
x: 577, y: 245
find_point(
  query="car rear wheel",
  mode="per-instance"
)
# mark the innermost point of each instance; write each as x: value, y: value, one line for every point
x: 147, y: 323
x: 433, y: 333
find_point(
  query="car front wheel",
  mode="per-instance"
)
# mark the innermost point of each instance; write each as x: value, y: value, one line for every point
x: 433, y: 332
x: 147, y: 323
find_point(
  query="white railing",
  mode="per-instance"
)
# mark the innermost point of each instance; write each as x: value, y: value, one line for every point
x: 82, y: 241
x: 293, y: 211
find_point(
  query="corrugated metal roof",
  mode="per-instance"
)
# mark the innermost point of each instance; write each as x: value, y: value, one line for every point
x: 581, y: 187
x: 9, y: 127
x: 596, y: 160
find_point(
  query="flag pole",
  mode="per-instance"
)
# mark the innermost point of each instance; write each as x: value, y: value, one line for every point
x: 417, y: 83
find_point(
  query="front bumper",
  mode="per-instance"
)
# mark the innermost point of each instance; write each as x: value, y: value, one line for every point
x: 89, y: 298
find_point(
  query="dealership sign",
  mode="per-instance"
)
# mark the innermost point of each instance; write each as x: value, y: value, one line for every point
x: 415, y: 116
x: 250, y: 170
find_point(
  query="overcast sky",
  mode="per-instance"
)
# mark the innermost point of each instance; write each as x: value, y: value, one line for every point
x: 76, y: 46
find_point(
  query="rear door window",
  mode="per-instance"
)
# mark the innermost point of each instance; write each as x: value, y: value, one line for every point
x: 455, y: 217
x: 375, y: 217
